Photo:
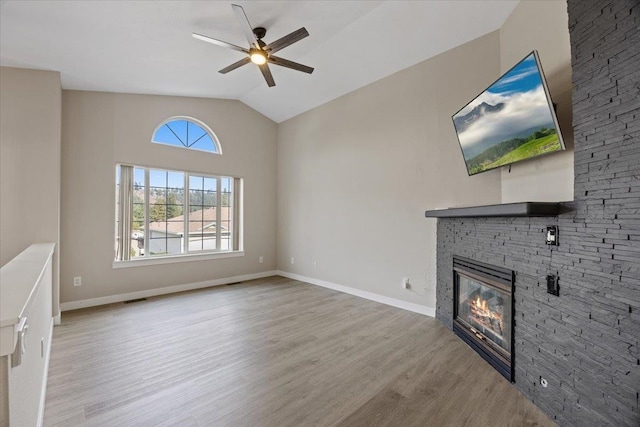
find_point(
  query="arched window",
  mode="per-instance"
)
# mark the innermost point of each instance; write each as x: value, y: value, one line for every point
x: 187, y: 132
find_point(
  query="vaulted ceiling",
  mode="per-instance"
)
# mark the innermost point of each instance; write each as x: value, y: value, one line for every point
x: 146, y: 46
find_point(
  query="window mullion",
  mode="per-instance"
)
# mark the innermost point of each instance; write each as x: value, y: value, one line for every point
x: 230, y: 212
x: 126, y: 212
x: 186, y: 208
x: 218, y: 212
x: 146, y: 213
x: 236, y: 194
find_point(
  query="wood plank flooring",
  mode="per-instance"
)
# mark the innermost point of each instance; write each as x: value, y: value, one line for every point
x: 270, y: 352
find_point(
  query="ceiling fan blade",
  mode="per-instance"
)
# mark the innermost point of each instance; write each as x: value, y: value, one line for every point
x: 219, y: 43
x: 246, y: 26
x: 266, y: 72
x: 287, y: 40
x: 290, y: 64
x: 235, y: 65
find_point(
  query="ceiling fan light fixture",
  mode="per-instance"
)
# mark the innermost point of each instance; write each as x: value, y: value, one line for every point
x: 258, y: 57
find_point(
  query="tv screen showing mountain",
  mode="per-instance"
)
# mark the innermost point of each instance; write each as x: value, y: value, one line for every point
x: 510, y: 121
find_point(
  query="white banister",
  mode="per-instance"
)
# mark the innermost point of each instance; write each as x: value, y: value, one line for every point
x: 26, y: 325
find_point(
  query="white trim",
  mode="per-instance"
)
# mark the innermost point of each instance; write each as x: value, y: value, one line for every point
x: 74, y: 305
x: 45, y: 375
x: 405, y: 305
x: 57, y: 319
x: 142, y: 165
x: 140, y: 262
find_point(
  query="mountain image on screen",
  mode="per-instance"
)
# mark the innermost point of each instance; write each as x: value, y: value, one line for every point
x: 477, y: 113
x: 510, y: 121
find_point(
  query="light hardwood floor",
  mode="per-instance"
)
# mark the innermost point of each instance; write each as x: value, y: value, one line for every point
x: 270, y: 352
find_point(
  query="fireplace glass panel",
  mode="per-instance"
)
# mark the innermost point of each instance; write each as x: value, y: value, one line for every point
x: 486, y: 309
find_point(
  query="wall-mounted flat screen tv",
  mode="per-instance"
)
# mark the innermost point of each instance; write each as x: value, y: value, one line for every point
x: 512, y: 120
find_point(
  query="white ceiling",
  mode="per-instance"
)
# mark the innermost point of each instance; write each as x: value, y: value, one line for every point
x: 146, y: 46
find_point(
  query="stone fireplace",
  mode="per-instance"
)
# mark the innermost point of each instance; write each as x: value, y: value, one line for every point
x: 585, y: 342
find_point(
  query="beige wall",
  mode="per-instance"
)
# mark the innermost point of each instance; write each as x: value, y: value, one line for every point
x: 30, y: 120
x: 542, y: 26
x: 102, y: 129
x: 356, y: 175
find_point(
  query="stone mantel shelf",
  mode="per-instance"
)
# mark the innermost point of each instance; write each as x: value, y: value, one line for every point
x: 504, y: 210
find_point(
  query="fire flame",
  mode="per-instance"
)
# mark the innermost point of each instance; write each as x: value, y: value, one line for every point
x: 483, y: 314
x: 481, y: 304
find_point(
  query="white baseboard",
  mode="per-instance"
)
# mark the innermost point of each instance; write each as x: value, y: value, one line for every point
x: 43, y: 391
x: 405, y: 305
x: 416, y: 308
x: 74, y: 305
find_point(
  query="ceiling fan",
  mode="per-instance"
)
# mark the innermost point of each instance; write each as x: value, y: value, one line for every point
x: 259, y: 52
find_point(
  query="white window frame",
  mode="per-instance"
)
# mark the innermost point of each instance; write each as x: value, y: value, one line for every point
x: 236, y: 241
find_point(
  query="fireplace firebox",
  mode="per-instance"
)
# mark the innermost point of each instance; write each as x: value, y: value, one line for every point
x: 483, y: 311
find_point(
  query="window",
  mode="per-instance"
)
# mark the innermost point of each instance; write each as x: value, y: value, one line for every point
x: 165, y: 213
x: 186, y: 132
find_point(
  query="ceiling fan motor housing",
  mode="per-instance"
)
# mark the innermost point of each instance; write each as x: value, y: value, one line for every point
x: 260, y: 32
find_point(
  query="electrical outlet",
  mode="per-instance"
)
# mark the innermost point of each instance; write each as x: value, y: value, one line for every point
x: 405, y: 283
x: 261, y: 259
x: 292, y: 260
x: 315, y: 264
x: 77, y: 281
